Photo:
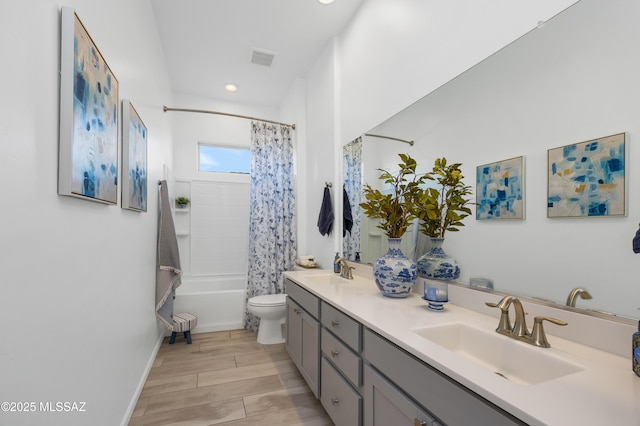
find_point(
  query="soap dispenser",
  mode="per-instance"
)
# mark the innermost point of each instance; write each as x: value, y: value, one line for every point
x: 636, y: 351
x: 336, y: 266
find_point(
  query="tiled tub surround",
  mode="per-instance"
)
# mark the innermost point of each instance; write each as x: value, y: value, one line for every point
x: 605, y: 391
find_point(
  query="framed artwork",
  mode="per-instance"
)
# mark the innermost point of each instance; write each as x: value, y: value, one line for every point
x: 500, y: 190
x: 88, y: 151
x: 134, y: 159
x: 588, y: 178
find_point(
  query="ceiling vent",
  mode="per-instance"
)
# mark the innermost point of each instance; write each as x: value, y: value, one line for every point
x: 262, y: 56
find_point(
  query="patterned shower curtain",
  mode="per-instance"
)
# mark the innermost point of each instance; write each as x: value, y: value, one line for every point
x: 352, y: 178
x: 272, y: 231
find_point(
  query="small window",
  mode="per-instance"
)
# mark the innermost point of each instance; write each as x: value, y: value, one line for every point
x: 223, y: 159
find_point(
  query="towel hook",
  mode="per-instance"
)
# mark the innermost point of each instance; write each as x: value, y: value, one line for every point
x: 328, y: 184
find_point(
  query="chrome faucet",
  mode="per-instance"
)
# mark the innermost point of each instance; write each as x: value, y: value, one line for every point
x: 345, y: 269
x: 519, y: 330
x: 578, y: 291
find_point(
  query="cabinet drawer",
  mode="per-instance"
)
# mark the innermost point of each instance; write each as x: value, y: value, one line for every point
x: 344, y: 358
x: 343, y: 326
x: 342, y: 403
x: 308, y: 301
x: 445, y: 398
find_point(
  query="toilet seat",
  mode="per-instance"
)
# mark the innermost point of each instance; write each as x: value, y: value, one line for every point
x: 267, y: 300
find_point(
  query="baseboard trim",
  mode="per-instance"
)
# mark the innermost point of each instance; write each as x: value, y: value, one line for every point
x: 143, y: 379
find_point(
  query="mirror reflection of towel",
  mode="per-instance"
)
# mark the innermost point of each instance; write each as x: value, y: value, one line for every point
x: 636, y: 242
x: 347, y: 218
x: 325, y: 219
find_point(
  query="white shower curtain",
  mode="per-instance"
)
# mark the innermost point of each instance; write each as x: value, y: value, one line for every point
x: 272, y: 232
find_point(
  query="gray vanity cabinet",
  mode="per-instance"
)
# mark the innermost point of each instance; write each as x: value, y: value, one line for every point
x: 362, y: 378
x: 450, y: 402
x: 303, y: 333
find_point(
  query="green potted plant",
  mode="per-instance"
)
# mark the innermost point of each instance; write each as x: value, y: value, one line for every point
x: 442, y: 209
x: 396, y: 210
x: 182, y: 202
x: 394, y: 273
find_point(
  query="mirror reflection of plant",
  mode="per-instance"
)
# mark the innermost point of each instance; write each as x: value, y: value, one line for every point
x: 441, y: 210
x: 396, y: 210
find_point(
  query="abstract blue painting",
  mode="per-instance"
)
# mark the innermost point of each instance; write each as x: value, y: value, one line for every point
x: 134, y: 159
x: 587, y: 179
x: 500, y: 190
x: 88, y: 117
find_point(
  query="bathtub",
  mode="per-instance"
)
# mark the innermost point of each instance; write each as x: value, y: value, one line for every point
x: 217, y: 301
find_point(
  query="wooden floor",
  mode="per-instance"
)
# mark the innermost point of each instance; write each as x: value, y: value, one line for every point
x: 226, y: 378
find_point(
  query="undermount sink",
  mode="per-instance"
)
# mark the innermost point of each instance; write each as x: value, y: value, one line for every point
x: 513, y: 360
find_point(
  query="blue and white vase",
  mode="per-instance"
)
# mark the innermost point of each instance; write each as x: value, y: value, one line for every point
x: 395, y: 274
x: 437, y: 264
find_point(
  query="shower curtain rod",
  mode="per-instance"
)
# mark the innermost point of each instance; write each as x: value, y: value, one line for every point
x: 389, y: 137
x: 204, y: 111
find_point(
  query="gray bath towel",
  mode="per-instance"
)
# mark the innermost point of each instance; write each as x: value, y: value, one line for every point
x: 168, y: 261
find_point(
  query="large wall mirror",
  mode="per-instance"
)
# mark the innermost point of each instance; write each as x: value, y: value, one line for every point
x: 544, y: 91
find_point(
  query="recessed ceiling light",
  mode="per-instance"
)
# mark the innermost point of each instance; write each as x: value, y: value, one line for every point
x: 231, y: 87
x: 326, y: 1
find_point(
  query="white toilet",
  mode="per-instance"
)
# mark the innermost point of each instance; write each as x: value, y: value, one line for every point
x: 271, y: 309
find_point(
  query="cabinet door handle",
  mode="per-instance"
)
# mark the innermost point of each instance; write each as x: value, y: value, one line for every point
x: 297, y: 311
x: 334, y: 353
x: 418, y: 422
x: 335, y: 401
x: 334, y: 324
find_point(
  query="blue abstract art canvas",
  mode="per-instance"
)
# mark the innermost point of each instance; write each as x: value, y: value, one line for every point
x: 587, y: 179
x: 88, y: 152
x: 134, y: 159
x: 500, y: 190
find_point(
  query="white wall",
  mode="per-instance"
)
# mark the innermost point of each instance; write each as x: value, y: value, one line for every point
x: 320, y: 165
x: 78, y: 278
x: 294, y: 111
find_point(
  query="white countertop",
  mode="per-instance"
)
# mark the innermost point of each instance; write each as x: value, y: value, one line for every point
x: 605, y: 392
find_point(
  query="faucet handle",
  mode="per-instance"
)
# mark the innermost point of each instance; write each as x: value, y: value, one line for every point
x: 504, y: 326
x: 538, y: 335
